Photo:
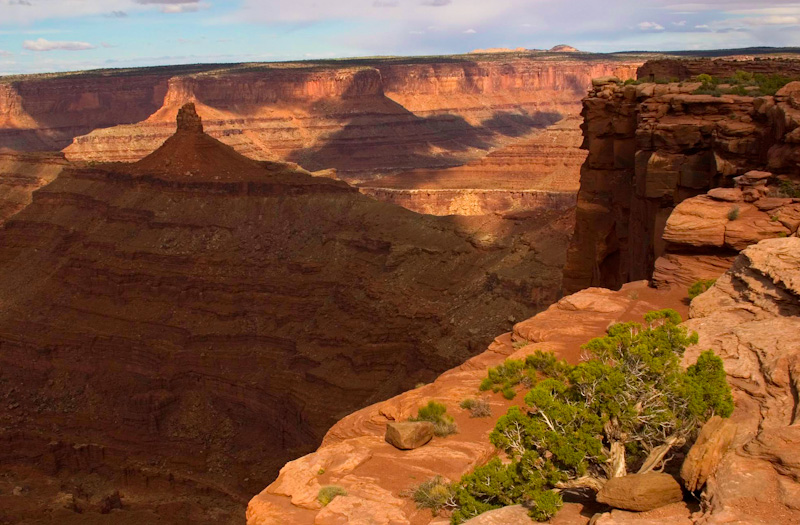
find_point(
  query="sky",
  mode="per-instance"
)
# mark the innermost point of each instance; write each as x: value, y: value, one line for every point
x: 62, y: 35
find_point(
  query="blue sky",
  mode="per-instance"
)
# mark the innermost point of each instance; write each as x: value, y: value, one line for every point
x: 59, y: 35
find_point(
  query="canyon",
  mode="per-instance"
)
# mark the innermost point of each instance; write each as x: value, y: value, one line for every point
x: 148, y: 306
x: 187, y: 314
x: 365, y: 119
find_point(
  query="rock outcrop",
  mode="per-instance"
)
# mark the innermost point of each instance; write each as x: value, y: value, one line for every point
x: 179, y: 328
x: 705, y: 232
x: 651, y: 147
x: 751, y: 319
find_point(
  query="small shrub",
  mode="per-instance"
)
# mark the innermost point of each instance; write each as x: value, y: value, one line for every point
x: 700, y: 286
x: 435, y: 494
x: 790, y: 189
x: 520, y: 344
x: 320, y: 472
x: 468, y: 404
x: 705, y: 78
x: 481, y: 409
x: 328, y: 492
x: 733, y: 214
x: 504, y: 378
x: 436, y: 413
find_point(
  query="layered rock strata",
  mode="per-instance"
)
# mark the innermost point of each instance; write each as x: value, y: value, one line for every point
x: 701, y: 229
x: 652, y: 146
x: 360, y: 116
x: 533, y: 173
x: 178, y: 328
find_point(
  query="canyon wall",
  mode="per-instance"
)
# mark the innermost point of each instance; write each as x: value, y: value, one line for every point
x: 179, y: 328
x: 540, y: 171
x: 362, y: 117
x: 652, y: 146
x: 23, y: 173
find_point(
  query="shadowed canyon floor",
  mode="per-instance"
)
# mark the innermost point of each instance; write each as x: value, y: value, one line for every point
x: 179, y: 328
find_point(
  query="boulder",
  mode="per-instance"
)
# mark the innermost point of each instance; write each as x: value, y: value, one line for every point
x: 726, y: 194
x: 699, y: 221
x: 705, y: 455
x: 641, y: 492
x: 408, y: 435
x: 757, y: 175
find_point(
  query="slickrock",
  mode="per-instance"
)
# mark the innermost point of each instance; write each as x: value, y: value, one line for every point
x: 408, y: 435
x: 674, y: 514
x: 655, y: 148
x: 641, y: 492
x: 751, y: 319
x: 181, y: 327
x: 563, y: 328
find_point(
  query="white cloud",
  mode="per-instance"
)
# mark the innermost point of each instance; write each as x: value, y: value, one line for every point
x: 40, y: 44
x: 470, y: 32
x: 650, y: 26
x: 682, y: 23
x: 4, y: 53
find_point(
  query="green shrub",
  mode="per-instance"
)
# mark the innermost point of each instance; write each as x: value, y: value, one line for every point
x: 436, y: 413
x: 700, y: 286
x: 435, y: 494
x: 759, y: 84
x: 468, y: 404
x: 328, y: 492
x: 705, y: 78
x: 733, y: 214
x: 505, y: 377
x: 622, y: 406
x: 790, y: 189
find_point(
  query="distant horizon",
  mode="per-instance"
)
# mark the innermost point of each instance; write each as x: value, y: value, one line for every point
x: 52, y: 36
x: 702, y: 53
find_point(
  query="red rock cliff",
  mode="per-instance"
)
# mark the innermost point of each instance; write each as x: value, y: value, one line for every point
x: 652, y: 146
x: 370, y: 117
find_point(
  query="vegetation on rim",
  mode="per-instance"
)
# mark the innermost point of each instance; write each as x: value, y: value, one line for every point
x: 622, y: 410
